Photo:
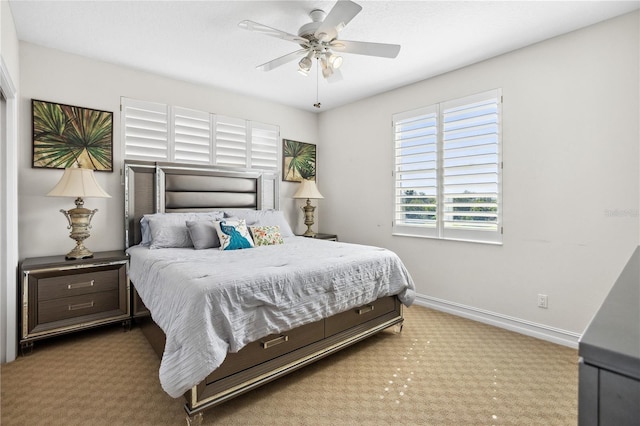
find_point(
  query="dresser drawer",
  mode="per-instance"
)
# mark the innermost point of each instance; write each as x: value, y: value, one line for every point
x: 87, y: 282
x: 77, y: 306
x: 353, y: 317
x: 268, y: 348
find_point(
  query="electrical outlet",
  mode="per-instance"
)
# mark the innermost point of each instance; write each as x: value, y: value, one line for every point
x: 543, y: 301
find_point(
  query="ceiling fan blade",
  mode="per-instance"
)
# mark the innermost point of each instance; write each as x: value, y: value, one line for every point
x: 365, y: 48
x: 263, y: 29
x: 268, y: 66
x: 341, y: 14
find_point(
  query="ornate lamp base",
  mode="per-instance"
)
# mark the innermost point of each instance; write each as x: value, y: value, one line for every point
x: 308, y: 219
x: 79, y: 252
x: 79, y: 222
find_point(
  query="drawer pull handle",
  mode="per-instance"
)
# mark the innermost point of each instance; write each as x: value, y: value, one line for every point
x: 81, y: 306
x: 280, y: 339
x: 365, y: 309
x: 80, y: 285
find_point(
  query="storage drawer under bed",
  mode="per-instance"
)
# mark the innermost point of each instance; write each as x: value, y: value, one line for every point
x: 268, y: 348
x: 355, y: 316
x: 275, y: 345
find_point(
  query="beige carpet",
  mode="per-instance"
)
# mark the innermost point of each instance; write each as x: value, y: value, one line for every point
x: 442, y: 370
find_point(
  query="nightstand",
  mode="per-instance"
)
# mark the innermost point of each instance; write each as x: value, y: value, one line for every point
x: 61, y: 296
x: 330, y: 237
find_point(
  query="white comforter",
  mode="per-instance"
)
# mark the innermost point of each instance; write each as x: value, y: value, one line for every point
x: 210, y: 302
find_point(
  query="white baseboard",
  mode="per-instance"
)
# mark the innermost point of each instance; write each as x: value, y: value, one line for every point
x: 540, y: 331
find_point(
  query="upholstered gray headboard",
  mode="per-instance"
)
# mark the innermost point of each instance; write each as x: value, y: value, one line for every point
x: 152, y: 187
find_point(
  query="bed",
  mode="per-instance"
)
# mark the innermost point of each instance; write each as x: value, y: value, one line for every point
x: 224, y: 322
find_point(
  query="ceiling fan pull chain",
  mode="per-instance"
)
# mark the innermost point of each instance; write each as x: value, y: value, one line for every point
x: 317, y: 104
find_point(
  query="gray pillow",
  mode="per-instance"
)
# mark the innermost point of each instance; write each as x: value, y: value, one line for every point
x: 203, y: 234
x: 170, y: 229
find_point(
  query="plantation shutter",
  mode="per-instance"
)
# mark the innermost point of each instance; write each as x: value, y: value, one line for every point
x: 145, y: 130
x: 415, y: 173
x: 471, y: 166
x: 231, y: 141
x: 264, y: 146
x: 192, y: 136
x: 158, y: 132
x: 448, y: 166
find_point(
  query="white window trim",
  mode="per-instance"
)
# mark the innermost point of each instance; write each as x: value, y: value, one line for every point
x: 9, y: 228
x: 438, y: 231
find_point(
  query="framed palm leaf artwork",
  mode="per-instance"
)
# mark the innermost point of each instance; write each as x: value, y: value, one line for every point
x: 65, y: 135
x: 298, y: 161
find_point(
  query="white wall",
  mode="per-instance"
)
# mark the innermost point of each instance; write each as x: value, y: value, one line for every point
x: 51, y: 75
x: 571, y: 180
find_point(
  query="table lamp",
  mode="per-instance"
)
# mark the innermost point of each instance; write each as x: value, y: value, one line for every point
x: 78, y: 183
x: 308, y: 190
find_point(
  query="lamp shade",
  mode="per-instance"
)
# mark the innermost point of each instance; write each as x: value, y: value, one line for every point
x: 307, y: 189
x: 78, y: 182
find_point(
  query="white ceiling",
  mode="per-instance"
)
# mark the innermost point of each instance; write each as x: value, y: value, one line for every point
x: 200, y: 41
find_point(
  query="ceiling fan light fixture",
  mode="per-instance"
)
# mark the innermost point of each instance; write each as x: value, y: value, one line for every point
x: 303, y: 71
x: 335, y: 61
x: 305, y: 64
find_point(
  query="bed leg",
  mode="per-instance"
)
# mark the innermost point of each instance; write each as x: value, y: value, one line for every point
x: 194, y: 419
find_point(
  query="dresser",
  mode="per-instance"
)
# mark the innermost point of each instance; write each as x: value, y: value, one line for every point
x: 60, y: 296
x: 609, y: 370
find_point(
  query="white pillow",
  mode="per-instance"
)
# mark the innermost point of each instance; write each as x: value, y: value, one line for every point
x: 233, y: 234
x: 263, y: 218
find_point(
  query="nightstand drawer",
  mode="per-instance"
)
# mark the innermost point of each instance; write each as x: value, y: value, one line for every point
x: 353, y: 317
x: 77, y: 306
x: 56, y: 287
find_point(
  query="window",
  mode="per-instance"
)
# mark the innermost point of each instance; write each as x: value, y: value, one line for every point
x: 448, y: 170
x: 158, y: 132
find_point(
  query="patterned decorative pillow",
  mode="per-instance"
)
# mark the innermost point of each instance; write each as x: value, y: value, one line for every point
x: 262, y: 218
x: 233, y: 234
x: 266, y: 235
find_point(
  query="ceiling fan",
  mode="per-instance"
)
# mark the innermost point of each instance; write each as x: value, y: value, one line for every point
x: 319, y: 40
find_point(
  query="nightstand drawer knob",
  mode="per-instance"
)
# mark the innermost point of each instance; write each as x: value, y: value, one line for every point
x: 81, y: 306
x: 80, y: 285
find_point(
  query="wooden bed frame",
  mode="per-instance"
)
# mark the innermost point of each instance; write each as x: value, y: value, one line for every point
x: 166, y: 187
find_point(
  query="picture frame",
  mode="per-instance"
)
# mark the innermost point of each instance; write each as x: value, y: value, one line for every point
x: 298, y: 161
x: 67, y: 135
